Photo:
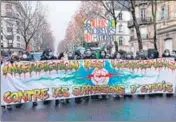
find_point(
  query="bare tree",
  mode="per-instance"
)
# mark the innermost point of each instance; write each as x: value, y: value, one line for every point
x: 62, y: 46
x: 87, y: 10
x: 130, y: 6
x: 44, y: 37
x: 32, y: 16
x: 48, y: 40
x: 110, y: 8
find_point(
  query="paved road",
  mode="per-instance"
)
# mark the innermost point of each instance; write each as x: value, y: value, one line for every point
x: 148, y: 108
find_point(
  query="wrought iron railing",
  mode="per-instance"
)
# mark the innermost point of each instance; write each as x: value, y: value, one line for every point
x: 140, y: 21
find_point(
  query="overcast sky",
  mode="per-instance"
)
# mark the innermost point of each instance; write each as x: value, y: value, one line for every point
x: 59, y: 15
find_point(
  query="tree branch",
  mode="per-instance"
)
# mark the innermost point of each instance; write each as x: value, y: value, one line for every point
x: 128, y: 8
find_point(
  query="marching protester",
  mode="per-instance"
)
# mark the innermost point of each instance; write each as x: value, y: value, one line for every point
x: 174, y: 54
x: 46, y: 55
x: 5, y: 56
x: 1, y: 58
x: 63, y: 56
x: 166, y: 53
x: 70, y: 56
x: 78, y: 55
x: 14, y: 57
x: 102, y: 54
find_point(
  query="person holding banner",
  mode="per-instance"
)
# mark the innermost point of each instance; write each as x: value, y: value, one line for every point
x: 63, y: 56
x: 47, y: 54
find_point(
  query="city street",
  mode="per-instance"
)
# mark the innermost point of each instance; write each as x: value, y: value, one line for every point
x: 76, y: 57
x: 148, y: 108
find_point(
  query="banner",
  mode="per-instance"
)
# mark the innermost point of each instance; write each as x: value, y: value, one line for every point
x: 96, y: 29
x: 58, y: 79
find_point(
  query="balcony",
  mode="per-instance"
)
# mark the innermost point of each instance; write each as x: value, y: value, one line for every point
x: 11, y: 15
x: 142, y: 2
x: 143, y: 36
x: 140, y: 21
x: 132, y: 38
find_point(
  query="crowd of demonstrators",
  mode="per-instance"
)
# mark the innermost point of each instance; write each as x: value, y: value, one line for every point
x: 80, y: 54
x: 105, y: 53
x: 27, y: 56
x: 88, y: 54
x: 16, y: 57
x: 168, y: 54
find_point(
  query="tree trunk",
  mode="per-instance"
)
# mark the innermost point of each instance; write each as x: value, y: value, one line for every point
x: 116, y: 46
x: 116, y: 42
x: 140, y: 46
x: 27, y: 45
x: 155, y: 39
x: 154, y: 22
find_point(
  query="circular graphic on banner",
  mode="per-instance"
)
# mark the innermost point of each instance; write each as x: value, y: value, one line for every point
x: 100, y: 77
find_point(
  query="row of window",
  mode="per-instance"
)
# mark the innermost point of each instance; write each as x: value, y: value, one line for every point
x: 10, y: 30
x: 10, y: 37
x: 9, y: 7
x: 143, y: 31
x: 120, y: 41
x: 120, y: 28
x: 164, y: 13
x: 10, y: 11
x: 11, y: 14
x: 120, y: 16
x: 11, y: 45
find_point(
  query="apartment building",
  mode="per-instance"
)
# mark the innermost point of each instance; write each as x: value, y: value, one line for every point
x: 166, y: 26
x: 122, y: 30
x: 11, y: 39
x: 165, y: 19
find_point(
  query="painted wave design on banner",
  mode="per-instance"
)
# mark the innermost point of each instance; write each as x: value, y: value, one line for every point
x: 81, y: 76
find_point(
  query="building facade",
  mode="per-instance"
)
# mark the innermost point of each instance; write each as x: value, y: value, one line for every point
x: 122, y: 30
x: 165, y: 20
x: 144, y: 20
x: 11, y: 39
x: 166, y: 27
